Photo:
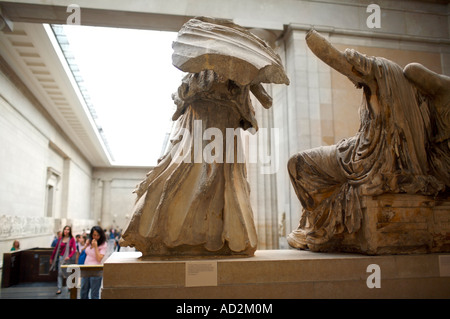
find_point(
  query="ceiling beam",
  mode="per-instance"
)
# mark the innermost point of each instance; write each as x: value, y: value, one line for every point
x: 5, y: 22
x: 54, y: 14
x: 399, y: 18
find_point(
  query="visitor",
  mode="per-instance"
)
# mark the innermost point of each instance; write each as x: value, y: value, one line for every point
x: 56, y: 238
x: 82, y: 253
x: 95, y: 249
x: 63, y: 253
x: 116, y: 243
x: 15, y: 246
x: 112, y: 233
x: 77, y: 241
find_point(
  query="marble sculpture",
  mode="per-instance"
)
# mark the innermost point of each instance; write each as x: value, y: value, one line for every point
x: 189, y: 204
x: 402, y: 146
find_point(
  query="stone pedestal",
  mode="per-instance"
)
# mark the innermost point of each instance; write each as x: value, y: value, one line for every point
x: 397, y: 224
x: 278, y: 274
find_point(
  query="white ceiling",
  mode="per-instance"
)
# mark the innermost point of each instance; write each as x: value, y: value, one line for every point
x: 31, y: 54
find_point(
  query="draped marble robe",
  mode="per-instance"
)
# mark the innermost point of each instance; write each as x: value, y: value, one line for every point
x: 189, y: 204
x: 389, y: 153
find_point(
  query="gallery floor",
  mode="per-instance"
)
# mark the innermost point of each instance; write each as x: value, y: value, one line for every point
x: 35, y: 290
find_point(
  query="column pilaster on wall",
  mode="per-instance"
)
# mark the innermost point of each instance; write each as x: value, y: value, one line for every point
x: 262, y: 178
x: 96, y: 199
x: 65, y: 188
x: 303, y: 112
x: 106, y: 204
x: 261, y: 175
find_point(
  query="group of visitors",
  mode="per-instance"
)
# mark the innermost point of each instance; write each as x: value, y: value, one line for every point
x: 87, y: 249
x: 83, y: 249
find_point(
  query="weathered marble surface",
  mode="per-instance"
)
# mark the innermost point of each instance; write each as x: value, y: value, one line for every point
x: 229, y: 50
x: 396, y: 224
x: 13, y: 227
x: 402, y: 147
x: 196, y: 201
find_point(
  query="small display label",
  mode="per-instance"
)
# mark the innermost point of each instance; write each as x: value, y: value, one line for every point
x: 201, y: 273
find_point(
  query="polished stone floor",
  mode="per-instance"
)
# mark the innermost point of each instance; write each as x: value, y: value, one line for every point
x: 37, y: 290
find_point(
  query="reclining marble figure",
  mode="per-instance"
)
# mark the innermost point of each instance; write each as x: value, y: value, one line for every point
x: 189, y: 205
x: 402, y: 146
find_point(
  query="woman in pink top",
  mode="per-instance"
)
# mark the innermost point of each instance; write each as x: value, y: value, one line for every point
x: 64, y: 253
x: 95, y: 249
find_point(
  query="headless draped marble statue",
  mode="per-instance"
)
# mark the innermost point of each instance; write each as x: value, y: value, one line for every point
x: 402, y: 146
x: 196, y: 201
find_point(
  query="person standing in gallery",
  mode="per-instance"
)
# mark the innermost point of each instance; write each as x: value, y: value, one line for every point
x: 15, y: 246
x: 55, y: 239
x: 95, y: 249
x: 63, y: 253
x: 82, y: 252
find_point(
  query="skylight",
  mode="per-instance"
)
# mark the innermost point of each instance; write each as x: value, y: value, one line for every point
x: 126, y: 78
